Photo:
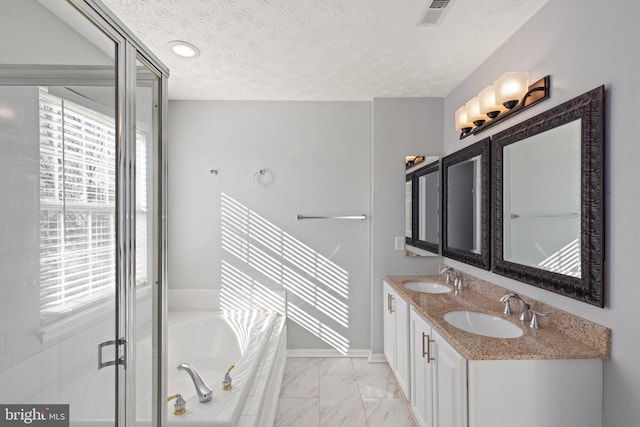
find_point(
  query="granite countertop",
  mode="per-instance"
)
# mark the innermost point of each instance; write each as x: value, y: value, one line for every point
x: 561, y: 336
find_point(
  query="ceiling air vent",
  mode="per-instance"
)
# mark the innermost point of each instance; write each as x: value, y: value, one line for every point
x: 435, y: 12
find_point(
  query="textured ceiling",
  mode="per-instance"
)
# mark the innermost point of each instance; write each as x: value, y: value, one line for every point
x: 320, y: 49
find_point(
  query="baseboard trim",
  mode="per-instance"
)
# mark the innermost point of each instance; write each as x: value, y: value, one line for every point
x: 377, y: 358
x: 318, y: 352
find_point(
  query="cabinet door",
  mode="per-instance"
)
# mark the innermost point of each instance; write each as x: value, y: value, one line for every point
x: 403, y: 375
x: 450, y: 386
x: 389, y: 326
x: 421, y: 372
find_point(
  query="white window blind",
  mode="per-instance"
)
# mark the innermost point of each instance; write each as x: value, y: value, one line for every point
x: 77, y: 206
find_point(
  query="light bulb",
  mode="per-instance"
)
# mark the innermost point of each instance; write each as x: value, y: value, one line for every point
x: 473, y: 111
x: 510, y: 88
x: 462, y: 123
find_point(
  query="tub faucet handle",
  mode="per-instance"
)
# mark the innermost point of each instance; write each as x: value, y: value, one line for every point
x: 226, y: 382
x: 180, y: 406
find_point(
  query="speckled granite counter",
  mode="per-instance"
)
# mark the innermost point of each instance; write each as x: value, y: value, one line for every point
x: 561, y: 335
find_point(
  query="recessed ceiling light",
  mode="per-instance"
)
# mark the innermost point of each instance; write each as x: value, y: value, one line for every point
x: 184, y: 49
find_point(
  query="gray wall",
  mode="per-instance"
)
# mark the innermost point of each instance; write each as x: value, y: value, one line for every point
x: 320, y: 154
x: 401, y: 127
x: 227, y: 233
x: 583, y: 45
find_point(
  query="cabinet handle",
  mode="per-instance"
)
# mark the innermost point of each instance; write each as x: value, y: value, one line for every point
x: 428, y: 348
x: 389, y: 302
x: 391, y: 310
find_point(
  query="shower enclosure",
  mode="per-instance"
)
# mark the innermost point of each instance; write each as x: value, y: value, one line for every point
x: 82, y: 217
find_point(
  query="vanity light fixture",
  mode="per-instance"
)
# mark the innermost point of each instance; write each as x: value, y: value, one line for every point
x: 510, y: 88
x: 411, y: 161
x: 509, y: 95
x: 473, y: 112
x: 463, y: 124
x: 488, y: 104
x: 184, y: 49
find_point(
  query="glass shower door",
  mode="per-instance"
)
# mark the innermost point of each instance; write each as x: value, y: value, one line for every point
x: 147, y: 223
x: 58, y: 216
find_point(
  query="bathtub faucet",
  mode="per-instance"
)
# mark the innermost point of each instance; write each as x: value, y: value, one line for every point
x: 203, y: 390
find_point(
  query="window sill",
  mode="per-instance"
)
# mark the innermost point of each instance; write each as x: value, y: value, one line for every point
x: 72, y: 323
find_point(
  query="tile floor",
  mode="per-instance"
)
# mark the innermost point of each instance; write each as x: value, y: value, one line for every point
x: 340, y: 392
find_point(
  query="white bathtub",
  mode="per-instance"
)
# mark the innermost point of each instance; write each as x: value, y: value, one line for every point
x: 211, y: 342
x: 255, y: 342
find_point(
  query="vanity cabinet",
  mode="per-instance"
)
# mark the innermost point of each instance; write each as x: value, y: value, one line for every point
x: 396, y: 337
x: 449, y: 390
x: 546, y: 377
x: 438, y: 377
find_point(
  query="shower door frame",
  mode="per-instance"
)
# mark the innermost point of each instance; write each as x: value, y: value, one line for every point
x: 129, y: 49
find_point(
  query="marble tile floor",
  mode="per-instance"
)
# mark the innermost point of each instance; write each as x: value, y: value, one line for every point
x: 340, y: 392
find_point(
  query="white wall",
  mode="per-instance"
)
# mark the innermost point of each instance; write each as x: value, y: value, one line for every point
x: 583, y: 45
x: 401, y: 127
x: 32, y: 34
x: 227, y: 233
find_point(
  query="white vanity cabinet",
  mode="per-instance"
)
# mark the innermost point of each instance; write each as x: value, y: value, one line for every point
x: 449, y: 390
x: 438, y: 378
x: 396, y: 337
x: 535, y: 393
x: 546, y: 377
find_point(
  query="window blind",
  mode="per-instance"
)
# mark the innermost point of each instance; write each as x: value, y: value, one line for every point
x: 77, y: 207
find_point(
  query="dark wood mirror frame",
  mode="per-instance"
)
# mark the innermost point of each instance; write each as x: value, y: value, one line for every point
x: 410, y: 177
x: 481, y: 148
x: 422, y: 244
x: 589, y: 288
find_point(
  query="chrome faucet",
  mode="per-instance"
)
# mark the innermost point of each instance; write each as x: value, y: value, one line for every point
x: 457, y: 281
x: 446, y: 272
x: 203, y: 390
x: 524, y: 307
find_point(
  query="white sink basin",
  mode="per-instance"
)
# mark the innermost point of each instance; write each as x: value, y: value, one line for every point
x: 427, y: 287
x: 483, y: 324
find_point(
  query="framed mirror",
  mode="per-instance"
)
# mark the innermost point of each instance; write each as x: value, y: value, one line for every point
x: 549, y: 199
x: 422, y: 207
x: 409, y: 204
x: 466, y: 205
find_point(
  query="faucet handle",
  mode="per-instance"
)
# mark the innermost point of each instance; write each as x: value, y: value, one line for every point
x: 534, y: 318
x: 180, y: 406
x: 226, y: 382
x: 524, y: 309
x: 447, y: 274
x: 505, y: 299
x: 507, y: 307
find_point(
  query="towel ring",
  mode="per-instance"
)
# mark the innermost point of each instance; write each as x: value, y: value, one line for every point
x: 263, y: 178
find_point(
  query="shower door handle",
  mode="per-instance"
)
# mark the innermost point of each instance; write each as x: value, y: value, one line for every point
x: 121, y: 360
